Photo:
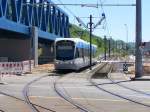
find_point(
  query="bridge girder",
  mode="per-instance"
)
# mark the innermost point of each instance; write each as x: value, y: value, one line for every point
x: 20, y: 15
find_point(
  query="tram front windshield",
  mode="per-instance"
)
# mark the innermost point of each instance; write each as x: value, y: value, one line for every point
x: 64, y: 50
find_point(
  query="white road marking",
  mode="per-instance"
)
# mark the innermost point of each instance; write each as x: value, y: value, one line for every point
x: 73, y: 87
x: 91, y: 99
x: 139, y: 96
x: 2, y: 95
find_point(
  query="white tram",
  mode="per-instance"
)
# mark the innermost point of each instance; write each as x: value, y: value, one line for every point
x: 73, y: 53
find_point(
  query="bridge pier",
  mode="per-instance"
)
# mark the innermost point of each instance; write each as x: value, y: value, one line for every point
x: 34, y: 44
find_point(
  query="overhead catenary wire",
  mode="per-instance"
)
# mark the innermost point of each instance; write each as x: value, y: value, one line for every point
x: 106, y: 22
x: 76, y: 17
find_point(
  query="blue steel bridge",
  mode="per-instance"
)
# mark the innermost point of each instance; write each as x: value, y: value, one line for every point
x: 19, y: 15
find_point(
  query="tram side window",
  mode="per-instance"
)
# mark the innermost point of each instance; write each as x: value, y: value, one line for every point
x: 80, y: 52
x: 86, y: 52
x: 77, y: 53
x: 83, y: 53
x: 92, y: 53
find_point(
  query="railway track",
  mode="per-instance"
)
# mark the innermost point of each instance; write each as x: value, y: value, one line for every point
x: 19, y: 99
x: 35, y: 107
x: 68, y: 98
x: 112, y: 82
x: 2, y: 111
x: 27, y: 100
x: 119, y: 83
x: 59, y: 92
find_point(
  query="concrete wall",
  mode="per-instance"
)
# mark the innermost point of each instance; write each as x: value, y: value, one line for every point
x: 15, y: 49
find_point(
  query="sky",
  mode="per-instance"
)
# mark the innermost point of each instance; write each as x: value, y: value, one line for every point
x: 120, y: 21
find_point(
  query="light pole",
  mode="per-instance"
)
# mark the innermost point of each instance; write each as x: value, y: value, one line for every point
x: 91, y: 27
x: 109, y: 47
x: 91, y: 42
x: 105, y: 47
x: 126, y: 27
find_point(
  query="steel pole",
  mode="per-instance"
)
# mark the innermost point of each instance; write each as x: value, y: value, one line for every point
x: 116, y: 48
x: 104, y: 47
x: 91, y: 42
x: 113, y: 48
x: 109, y: 47
x: 126, y: 26
x: 138, y: 60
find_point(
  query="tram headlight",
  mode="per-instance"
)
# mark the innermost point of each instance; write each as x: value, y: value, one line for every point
x: 56, y: 62
x: 71, y: 62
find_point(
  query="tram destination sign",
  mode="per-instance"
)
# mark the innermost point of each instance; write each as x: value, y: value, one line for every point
x: 65, y: 47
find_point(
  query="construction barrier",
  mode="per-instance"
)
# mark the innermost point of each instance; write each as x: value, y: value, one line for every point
x: 27, y: 66
x: 16, y: 68
x: 10, y: 68
x: 32, y: 64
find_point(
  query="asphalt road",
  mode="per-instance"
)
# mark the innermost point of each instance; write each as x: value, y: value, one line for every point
x: 78, y: 88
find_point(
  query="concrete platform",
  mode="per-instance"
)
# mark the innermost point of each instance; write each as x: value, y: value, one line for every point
x: 143, y: 78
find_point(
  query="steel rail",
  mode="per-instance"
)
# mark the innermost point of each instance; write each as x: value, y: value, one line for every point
x: 115, y: 94
x: 14, y: 97
x: 126, y: 87
x: 68, y: 98
x: 26, y: 94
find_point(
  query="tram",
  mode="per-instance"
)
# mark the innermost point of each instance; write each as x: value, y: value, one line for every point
x: 73, y: 53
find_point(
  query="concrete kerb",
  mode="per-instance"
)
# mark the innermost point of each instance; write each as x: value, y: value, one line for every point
x: 143, y: 78
x: 93, y: 71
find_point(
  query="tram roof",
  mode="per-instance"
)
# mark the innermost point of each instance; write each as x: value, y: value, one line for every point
x: 79, y: 42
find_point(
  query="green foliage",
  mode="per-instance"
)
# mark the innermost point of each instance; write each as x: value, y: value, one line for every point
x: 117, y: 46
x: 77, y: 32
